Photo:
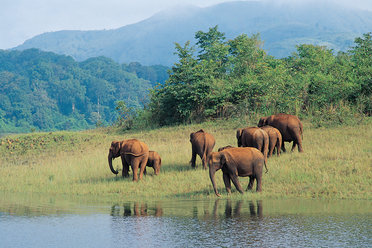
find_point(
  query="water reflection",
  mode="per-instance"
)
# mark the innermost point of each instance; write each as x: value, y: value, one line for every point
x: 254, y: 211
x: 220, y: 209
x: 232, y: 209
x: 187, y: 223
x: 136, y: 209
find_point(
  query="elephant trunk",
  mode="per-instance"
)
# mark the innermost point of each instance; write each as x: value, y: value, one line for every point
x: 110, y: 158
x: 213, y: 180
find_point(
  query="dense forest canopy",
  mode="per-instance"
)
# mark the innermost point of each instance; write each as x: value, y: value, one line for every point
x: 45, y: 91
x: 231, y: 78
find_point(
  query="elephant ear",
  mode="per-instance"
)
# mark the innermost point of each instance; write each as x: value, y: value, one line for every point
x: 114, y: 147
x: 192, y: 136
x: 118, y: 147
x: 239, y: 133
x: 223, y: 159
x: 262, y: 122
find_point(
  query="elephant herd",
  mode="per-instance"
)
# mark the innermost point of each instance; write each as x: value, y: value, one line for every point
x: 255, y: 145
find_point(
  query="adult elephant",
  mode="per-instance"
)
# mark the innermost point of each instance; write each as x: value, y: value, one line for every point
x: 202, y: 144
x: 154, y: 161
x: 132, y: 152
x: 289, y: 126
x: 275, y: 139
x: 253, y: 137
x: 234, y: 162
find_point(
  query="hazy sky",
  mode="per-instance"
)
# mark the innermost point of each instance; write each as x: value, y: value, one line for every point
x: 23, y: 19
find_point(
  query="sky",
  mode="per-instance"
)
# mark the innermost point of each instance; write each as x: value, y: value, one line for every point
x: 23, y: 19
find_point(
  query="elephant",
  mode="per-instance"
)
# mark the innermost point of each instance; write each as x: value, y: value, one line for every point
x: 253, y: 137
x: 225, y: 147
x: 234, y: 162
x: 132, y: 152
x: 154, y: 161
x: 289, y: 126
x: 275, y: 139
x: 202, y: 144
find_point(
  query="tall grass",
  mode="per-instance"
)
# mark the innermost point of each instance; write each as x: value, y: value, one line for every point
x: 336, y: 164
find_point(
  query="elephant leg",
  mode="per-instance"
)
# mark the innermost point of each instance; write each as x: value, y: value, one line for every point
x: 300, y: 147
x: 251, y: 182
x: 299, y: 143
x: 259, y: 186
x: 283, y: 147
x: 271, y: 149
x: 193, y: 158
x: 227, y: 181
x: 204, y: 163
x: 125, y: 172
x: 235, y: 180
x: 142, y: 165
x: 294, y: 145
x: 135, y: 165
x: 296, y: 134
x: 278, y: 147
x: 157, y: 167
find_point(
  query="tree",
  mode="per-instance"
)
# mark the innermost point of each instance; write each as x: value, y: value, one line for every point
x: 362, y: 70
x: 126, y: 115
x: 213, y: 53
x: 247, y: 55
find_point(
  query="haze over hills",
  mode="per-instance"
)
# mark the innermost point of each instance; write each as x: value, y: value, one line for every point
x: 282, y: 27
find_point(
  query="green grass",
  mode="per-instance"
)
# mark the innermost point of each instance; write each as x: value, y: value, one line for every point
x: 336, y: 164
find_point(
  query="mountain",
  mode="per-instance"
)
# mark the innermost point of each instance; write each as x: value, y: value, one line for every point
x: 150, y: 42
x: 45, y: 91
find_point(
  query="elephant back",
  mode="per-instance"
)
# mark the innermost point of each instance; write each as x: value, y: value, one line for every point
x: 248, y: 136
x: 202, y: 137
x: 287, y: 125
x: 242, y: 153
x: 135, y: 147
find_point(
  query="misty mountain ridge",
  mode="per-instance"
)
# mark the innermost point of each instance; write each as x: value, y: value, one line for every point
x: 151, y: 41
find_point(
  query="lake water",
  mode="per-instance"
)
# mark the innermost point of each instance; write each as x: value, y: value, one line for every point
x: 184, y: 223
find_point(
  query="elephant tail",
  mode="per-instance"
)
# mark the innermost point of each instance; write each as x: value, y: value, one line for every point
x: 134, y: 154
x: 265, y: 147
x: 266, y: 167
x: 205, y: 148
x: 301, y: 130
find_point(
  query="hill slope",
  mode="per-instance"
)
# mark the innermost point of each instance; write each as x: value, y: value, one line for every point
x: 45, y: 91
x: 152, y: 41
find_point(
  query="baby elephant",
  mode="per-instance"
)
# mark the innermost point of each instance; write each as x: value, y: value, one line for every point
x: 154, y: 161
x: 225, y: 147
x: 234, y: 162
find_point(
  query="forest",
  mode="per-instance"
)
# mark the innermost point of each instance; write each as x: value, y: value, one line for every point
x: 214, y: 79
x: 219, y: 78
x: 43, y: 91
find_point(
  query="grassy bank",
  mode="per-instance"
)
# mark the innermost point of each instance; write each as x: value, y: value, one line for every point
x: 336, y: 164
